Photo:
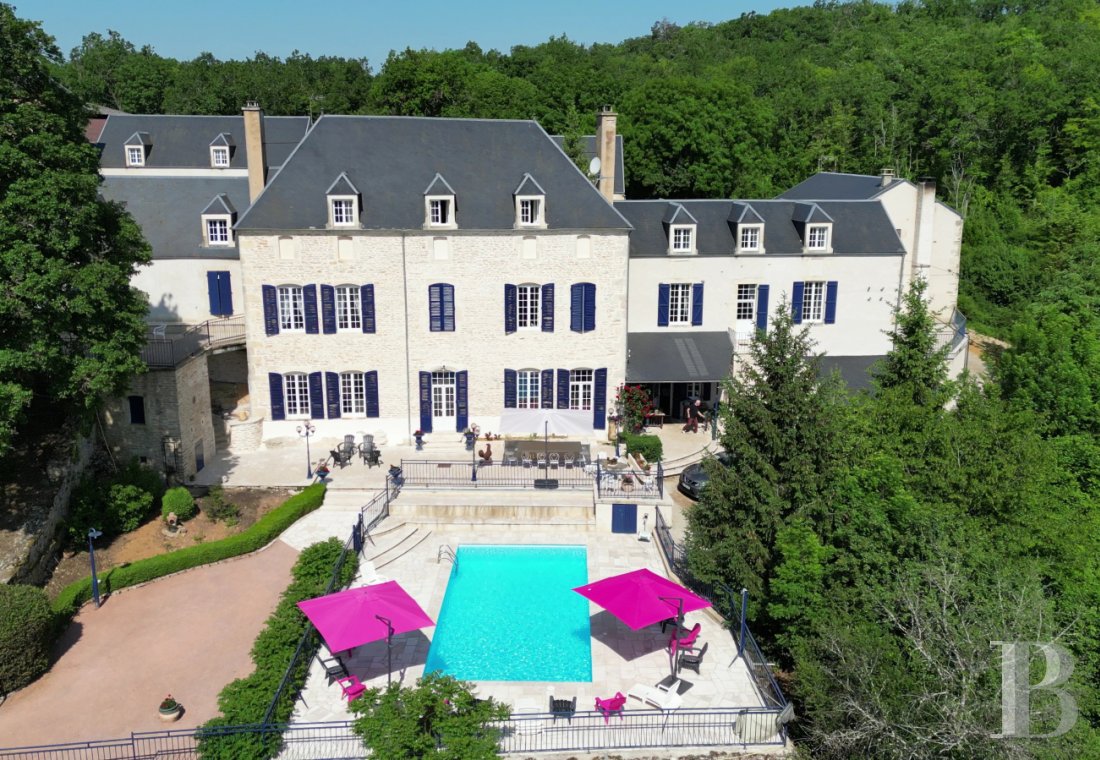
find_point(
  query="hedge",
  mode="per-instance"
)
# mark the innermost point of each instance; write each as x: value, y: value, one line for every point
x: 26, y: 622
x: 178, y: 500
x: 649, y: 446
x: 263, y: 532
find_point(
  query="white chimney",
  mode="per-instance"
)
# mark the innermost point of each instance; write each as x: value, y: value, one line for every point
x: 926, y: 216
x: 887, y: 177
x: 255, y: 152
x: 605, y: 150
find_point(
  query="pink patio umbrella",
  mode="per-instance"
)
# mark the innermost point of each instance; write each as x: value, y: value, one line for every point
x: 357, y: 616
x: 641, y: 597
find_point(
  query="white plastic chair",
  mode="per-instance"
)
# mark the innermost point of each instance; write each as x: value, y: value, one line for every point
x: 554, y: 459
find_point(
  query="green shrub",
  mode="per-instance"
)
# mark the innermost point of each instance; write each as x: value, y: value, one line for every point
x: 145, y: 478
x: 180, y: 501
x: 216, y: 507
x: 115, y: 504
x: 263, y: 532
x: 649, y: 446
x: 27, y: 632
x: 127, y: 507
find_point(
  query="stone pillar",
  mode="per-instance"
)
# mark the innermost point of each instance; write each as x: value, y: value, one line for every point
x: 605, y: 149
x: 255, y: 152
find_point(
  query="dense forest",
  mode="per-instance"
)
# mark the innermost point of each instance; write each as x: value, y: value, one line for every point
x: 886, y: 538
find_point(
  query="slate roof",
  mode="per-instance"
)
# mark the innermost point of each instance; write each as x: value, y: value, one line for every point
x: 169, y: 210
x: 184, y: 141
x: 859, y: 227
x: 673, y: 357
x: 392, y: 159
x: 836, y: 186
x: 589, y: 148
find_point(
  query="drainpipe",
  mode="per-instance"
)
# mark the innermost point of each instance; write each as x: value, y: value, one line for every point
x: 408, y: 364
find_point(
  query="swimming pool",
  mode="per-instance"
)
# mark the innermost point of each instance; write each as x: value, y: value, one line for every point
x: 510, y: 614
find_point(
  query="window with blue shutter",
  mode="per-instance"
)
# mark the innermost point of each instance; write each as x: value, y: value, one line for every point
x: 370, y: 383
x: 332, y: 394
x: 275, y: 384
x: 548, y: 308
x: 271, y: 310
x: 796, y: 302
x: 426, y: 402
x: 697, y: 304
x: 582, y: 307
x: 441, y: 307
x: 220, y: 292
x: 546, y: 389
x: 509, y: 389
x: 509, y: 309
x: 599, y: 399
x: 309, y: 301
x: 563, y: 389
x: 830, y: 302
x: 328, y: 309
x: 316, y: 396
x: 762, y: 307
x: 662, y: 304
x: 366, y: 303
x: 462, y: 407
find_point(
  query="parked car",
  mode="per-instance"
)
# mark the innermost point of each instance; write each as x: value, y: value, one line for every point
x: 694, y: 477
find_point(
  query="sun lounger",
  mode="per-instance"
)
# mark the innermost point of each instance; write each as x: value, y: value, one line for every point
x: 662, y: 697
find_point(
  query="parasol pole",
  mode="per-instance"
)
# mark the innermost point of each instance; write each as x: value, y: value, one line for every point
x: 675, y: 643
x: 389, y: 648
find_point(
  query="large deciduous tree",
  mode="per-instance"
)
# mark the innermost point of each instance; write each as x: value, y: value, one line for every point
x: 71, y: 326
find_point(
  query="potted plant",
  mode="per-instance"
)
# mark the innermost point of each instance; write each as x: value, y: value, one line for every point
x: 170, y: 710
x: 418, y: 436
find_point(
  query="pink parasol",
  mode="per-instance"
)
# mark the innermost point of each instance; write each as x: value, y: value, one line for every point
x: 641, y: 597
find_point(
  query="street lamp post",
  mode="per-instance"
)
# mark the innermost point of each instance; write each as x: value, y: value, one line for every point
x: 93, y: 534
x: 305, y: 431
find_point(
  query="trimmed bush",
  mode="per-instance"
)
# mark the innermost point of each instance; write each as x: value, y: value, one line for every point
x: 216, y: 507
x: 26, y: 634
x: 116, y: 504
x: 649, y: 446
x: 180, y: 501
x: 263, y: 532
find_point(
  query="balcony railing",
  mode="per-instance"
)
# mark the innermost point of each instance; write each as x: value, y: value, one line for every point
x: 168, y: 349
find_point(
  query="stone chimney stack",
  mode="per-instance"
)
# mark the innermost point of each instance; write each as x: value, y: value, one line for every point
x: 887, y: 177
x: 255, y: 152
x: 926, y: 217
x: 605, y: 150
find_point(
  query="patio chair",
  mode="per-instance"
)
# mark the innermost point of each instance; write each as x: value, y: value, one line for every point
x: 372, y: 457
x: 349, y: 439
x: 541, y: 459
x: 567, y: 461
x: 685, y: 642
x: 563, y: 708
x: 510, y: 459
x: 526, y: 459
x: 351, y: 687
x: 691, y: 660
x: 662, y: 696
x: 334, y: 668
x: 339, y: 456
x: 554, y: 459
x: 611, y: 705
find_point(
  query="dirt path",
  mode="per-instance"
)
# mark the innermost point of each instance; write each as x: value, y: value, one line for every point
x: 188, y: 635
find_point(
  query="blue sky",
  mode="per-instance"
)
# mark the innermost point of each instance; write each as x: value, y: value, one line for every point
x: 364, y: 28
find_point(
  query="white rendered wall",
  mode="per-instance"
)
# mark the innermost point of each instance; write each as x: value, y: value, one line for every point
x: 177, y: 289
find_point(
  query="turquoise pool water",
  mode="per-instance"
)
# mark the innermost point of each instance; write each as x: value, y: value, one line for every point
x: 510, y: 614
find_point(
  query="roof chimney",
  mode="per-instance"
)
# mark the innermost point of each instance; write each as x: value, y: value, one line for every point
x: 605, y: 150
x: 255, y: 152
x: 887, y: 176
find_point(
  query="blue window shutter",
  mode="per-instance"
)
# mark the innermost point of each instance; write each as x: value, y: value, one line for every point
x: 328, y: 309
x: 309, y: 299
x: 548, y: 308
x: 271, y: 311
x: 599, y: 399
x: 563, y: 389
x: 589, y: 307
x: 509, y: 309
x: 509, y: 389
x: 366, y: 303
x: 576, y: 307
x: 762, y: 307
x: 214, y: 292
x: 316, y: 396
x: 796, y: 302
x: 426, y: 402
x: 370, y: 383
x: 435, y: 309
x: 448, y: 308
x: 830, y: 302
x: 225, y: 288
x: 546, y: 389
x: 332, y: 395
x: 275, y: 383
x: 462, y: 406
x: 697, y: 304
x: 662, y: 304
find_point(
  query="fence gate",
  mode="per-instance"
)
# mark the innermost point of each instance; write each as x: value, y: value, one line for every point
x: 624, y: 518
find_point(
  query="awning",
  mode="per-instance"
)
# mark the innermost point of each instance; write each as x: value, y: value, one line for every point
x: 678, y: 357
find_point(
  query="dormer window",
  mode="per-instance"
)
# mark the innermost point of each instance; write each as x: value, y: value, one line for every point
x: 530, y: 203
x: 747, y: 227
x: 439, y: 204
x: 530, y: 210
x: 219, y: 157
x: 815, y: 227
x: 439, y: 211
x: 817, y: 237
x: 343, y: 203
x: 137, y: 148
x: 217, y: 222
x: 680, y: 226
x: 683, y: 239
x: 217, y: 230
x: 750, y: 238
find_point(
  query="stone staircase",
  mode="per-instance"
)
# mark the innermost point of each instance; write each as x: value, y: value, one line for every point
x: 334, y: 518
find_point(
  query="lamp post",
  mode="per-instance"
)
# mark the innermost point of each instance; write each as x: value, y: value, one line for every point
x: 305, y: 431
x: 473, y: 460
x: 93, y: 534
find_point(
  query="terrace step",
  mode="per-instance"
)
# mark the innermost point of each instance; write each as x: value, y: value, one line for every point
x: 495, y: 507
x: 407, y: 547
x: 374, y: 551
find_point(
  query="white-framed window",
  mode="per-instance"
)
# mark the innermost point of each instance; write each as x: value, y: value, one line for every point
x: 679, y: 303
x: 749, y: 239
x: 343, y: 210
x: 813, y: 302
x: 746, y: 302
x: 530, y: 211
x: 219, y: 156
x: 682, y: 238
x: 353, y: 394
x: 216, y: 230
x: 135, y: 155
x: 528, y: 389
x: 292, y: 310
x: 528, y: 299
x: 443, y: 394
x: 349, y: 311
x: 296, y: 394
x: 580, y: 389
x: 441, y: 211
x: 817, y: 237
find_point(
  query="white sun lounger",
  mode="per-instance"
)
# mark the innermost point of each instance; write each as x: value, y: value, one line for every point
x: 661, y: 696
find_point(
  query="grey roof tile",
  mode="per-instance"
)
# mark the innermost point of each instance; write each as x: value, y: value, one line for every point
x: 807, y: 213
x: 439, y: 186
x: 342, y: 186
x: 677, y: 214
x: 220, y: 205
x: 529, y: 187
x: 744, y: 213
x: 139, y: 138
x: 590, y: 152
x: 836, y: 186
x: 223, y: 138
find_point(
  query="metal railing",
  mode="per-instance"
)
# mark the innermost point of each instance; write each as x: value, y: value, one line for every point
x: 427, y: 473
x: 629, y: 484
x: 953, y: 333
x: 169, y: 351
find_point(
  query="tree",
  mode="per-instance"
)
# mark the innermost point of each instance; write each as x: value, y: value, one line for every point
x: 110, y: 71
x: 915, y: 366
x: 438, y: 718
x: 71, y: 327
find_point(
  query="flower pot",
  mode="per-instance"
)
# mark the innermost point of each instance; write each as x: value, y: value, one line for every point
x: 170, y: 714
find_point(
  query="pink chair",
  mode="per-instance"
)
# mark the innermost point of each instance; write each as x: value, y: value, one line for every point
x: 687, y: 642
x: 611, y: 705
x: 351, y: 687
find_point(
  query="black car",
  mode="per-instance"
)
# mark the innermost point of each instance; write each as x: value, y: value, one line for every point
x: 694, y: 477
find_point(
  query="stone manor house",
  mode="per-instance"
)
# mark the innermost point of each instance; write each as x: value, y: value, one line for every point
x: 387, y: 274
